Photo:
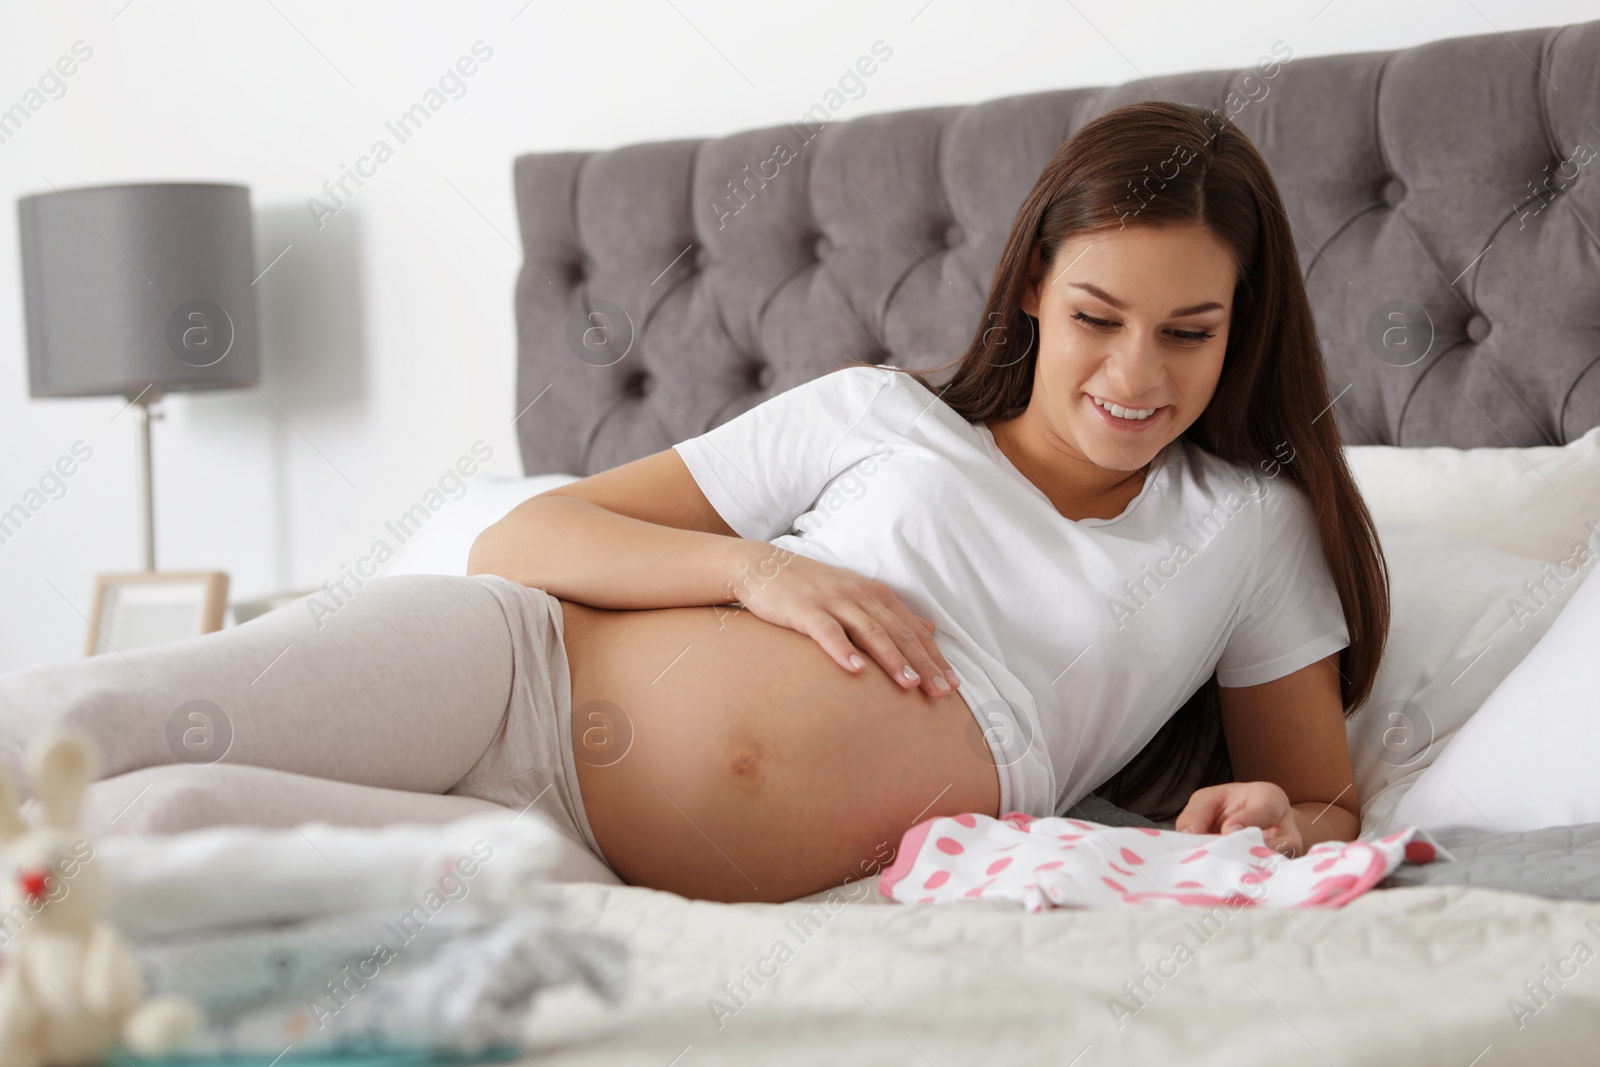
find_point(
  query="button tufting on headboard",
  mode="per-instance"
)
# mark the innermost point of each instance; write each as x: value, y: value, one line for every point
x: 1467, y: 318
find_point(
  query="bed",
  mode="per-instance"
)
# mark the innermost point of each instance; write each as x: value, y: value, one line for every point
x: 667, y: 287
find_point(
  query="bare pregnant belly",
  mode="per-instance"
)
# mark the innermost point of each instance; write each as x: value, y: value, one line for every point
x: 725, y: 758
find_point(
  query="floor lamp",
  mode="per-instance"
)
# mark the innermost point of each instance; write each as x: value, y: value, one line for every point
x: 139, y: 291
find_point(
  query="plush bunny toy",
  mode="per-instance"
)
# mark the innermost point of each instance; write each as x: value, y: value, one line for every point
x: 70, y: 992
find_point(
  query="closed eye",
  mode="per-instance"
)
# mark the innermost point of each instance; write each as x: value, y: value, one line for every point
x: 1189, y: 336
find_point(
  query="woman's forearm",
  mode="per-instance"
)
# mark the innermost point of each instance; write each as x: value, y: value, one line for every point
x: 1320, y: 822
x: 576, y: 550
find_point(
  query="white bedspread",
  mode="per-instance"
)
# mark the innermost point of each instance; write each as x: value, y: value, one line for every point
x: 1404, y: 976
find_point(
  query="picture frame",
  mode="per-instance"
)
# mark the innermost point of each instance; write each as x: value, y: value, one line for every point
x: 140, y: 609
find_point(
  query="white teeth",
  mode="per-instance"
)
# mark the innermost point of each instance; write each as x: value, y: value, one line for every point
x: 1125, y: 413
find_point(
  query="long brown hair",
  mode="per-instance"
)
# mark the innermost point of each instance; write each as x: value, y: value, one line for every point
x: 1155, y: 163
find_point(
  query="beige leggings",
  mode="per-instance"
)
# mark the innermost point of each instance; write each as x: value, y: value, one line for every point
x: 419, y: 698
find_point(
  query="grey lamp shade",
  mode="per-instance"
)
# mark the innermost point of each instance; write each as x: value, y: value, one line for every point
x: 132, y: 286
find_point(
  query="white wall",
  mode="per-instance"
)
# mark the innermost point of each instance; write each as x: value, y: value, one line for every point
x: 388, y: 333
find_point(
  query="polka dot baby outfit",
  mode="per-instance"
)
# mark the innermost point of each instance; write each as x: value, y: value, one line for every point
x: 1059, y: 862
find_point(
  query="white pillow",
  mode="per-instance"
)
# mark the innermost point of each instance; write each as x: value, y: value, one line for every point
x: 442, y: 544
x: 1462, y: 616
x: 1539, y: 503
x: 1526, y: 759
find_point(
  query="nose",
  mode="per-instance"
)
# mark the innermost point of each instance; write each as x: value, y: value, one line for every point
x: 34, y: 884
x: 1134, y: 367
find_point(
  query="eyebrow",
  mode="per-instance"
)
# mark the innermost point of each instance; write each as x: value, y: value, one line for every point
x: 1095, y: 290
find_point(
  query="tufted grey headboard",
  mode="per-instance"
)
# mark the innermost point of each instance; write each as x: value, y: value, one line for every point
x: 670, y: 286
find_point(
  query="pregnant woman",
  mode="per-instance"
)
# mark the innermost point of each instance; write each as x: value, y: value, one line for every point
x: 1117, y: 551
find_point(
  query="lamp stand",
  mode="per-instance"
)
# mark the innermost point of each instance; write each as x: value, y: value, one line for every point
x: 143, y: 402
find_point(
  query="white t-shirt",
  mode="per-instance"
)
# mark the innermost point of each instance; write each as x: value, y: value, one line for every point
x: 1074, y: 640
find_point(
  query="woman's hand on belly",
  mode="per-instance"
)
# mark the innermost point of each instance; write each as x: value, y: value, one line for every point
x: 754, y: 769
x: 846, y: 613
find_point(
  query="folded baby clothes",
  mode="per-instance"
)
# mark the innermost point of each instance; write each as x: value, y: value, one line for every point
x: 326, y: 938
x: 1057, y: 862
x: 375, y: 981
x: 229, y: 972
x: 231, y: 876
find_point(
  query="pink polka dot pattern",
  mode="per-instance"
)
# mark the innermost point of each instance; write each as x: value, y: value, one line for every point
x: 1055, y: 862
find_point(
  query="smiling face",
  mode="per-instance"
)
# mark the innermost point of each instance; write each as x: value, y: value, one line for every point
x: 1133, y: 323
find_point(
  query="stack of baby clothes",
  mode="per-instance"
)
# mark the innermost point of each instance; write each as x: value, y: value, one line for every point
x: 319, y: 938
